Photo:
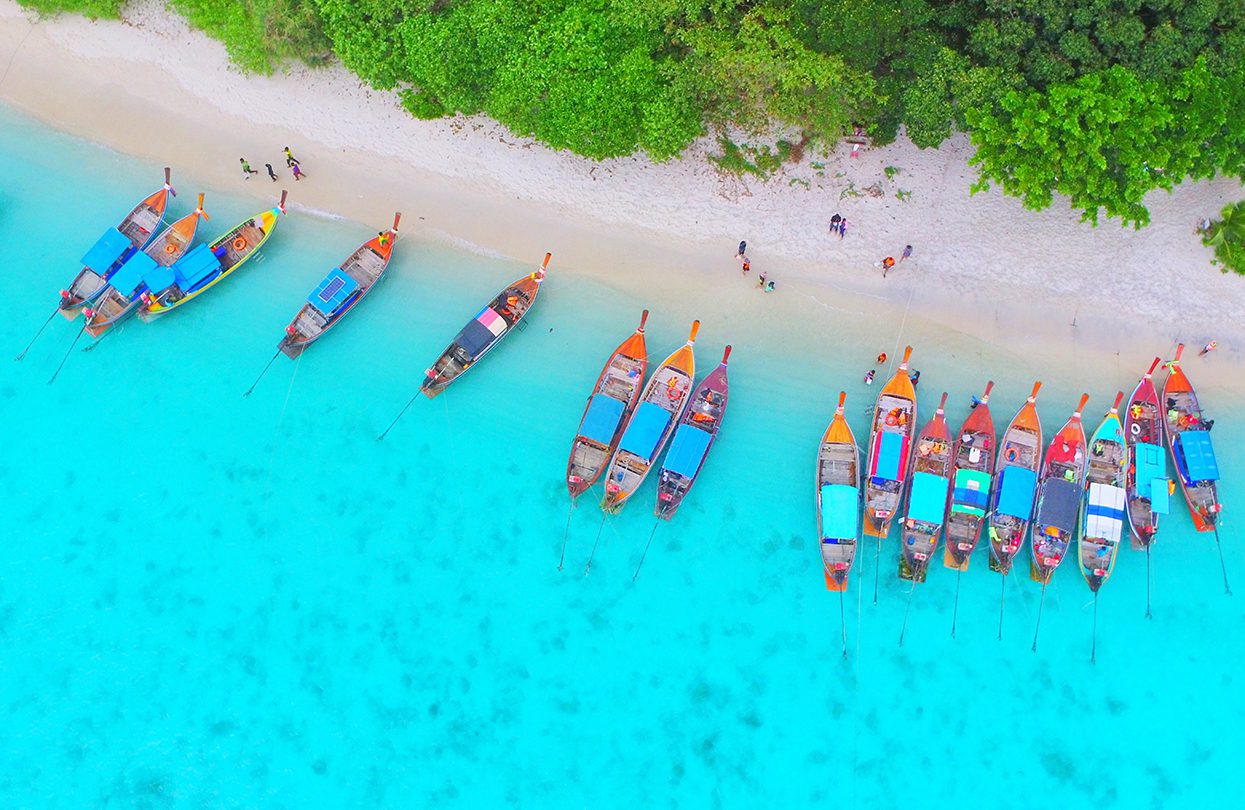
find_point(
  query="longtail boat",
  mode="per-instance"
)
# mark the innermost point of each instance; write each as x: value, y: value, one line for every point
x: 112, y: 250
x: 339, y: 292
x: 1103, y: 509
x: 927, y: 497
x: 498, y: 319
x: 693, y: 439
x: 973, y: 467
x: 121, y: 296
x: 886, y: 474
x: 662, y: 405
x: 207, y: 265
x: 1146, y: 484
x: 838, y: 499
x: 1011, y: 501
x: 605, y: 415
x: 1189, y: 440
x: 1059, y: 497
x: 1188, y: 436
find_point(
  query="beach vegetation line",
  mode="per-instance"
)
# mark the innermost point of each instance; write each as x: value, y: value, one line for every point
x: 1227, y: 236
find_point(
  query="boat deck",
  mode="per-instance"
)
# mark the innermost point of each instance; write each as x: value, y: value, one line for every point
x: 139, y: 226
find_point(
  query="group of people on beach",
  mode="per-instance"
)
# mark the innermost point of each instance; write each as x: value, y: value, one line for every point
x: 291, y: 163
x: 914, y: 375
x: 764, y: 282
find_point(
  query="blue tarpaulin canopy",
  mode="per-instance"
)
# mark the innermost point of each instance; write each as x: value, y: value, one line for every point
x: 159, y: 278
x: 333, y: 292
x: 1198, y: 455
x: 928, y: 503
x: 687, y: 450
x: 104, y: 253
x: 1152, y: 476
x: 1016, y: 486
x: 645, y: 430
x: 972, y: 492
x: 840, y: 508
x: 475, y: 338
x: 890, y: 455
x: 601, y: 419
x: 131, y: 275
x: 195, y: 266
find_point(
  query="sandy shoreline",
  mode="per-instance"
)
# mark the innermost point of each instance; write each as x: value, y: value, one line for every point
x: 982, y: 266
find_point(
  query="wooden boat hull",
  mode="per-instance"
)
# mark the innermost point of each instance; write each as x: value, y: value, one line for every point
x: 1103, y: 520
x: 838, y: 500
x: 601, y: 426
x: 886, y: 473
x: 971, y: 477
x: 484, y: 332
x: 1013, y: 490
x: 1060, y: 494
x: 660, y: 409
x: 926, y: 505
x: 1144, y: 434
x: 231, y: 251
x: 693, y: 439
x: 1183, y: 415
x: 113, y: 306
x: 137, y: 229
x: 365, y: 267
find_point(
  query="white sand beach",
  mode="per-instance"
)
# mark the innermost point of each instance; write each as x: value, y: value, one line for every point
x: 982, y: 264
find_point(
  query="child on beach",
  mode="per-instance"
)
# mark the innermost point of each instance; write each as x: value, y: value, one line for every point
x: 271, y: 173
x: 247, y: 171
x: 290, y: 160
x: 1208, y: 348
x: 842, y: 228
x: 298, y: 173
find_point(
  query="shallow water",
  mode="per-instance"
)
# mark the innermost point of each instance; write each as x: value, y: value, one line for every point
x: 211, y: 601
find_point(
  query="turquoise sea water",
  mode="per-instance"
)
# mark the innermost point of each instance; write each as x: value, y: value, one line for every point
x: 211, y: 601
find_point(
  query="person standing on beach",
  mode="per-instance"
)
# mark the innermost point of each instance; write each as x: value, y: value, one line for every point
x: 747, y: 265
x: 761, y: 281
x: 834, y: 223
x: 298, y: 173
x: 1208, y: 348
x: 743, y: 248
x: 271, y: 173
x: 247, y: 171
x: 907, y: 251
x: 290, y: 160
x: 769, y: 287
x: 842, y: 228
x: 887, y: 264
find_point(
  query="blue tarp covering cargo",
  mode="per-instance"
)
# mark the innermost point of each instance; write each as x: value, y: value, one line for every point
x: 131, y: 275
x: 1152, y: 476
x: 840, y: 506
x: 1061, y: 503
x: 972, y: 492
x: 159, y: 278
x: 1016, y: 486
x: 194, y: 267
x: 1198, y: 456
x: 929, y: 498
x: 475, y: 338
x: 646, y: 429
x: 104, y: 253
x: 333, y: 292
x: 687, y: 450
x: 602, y: 418
x: 891, y: 456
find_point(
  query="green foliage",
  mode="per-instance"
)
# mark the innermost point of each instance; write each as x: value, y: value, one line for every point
x: 1227, y: 237
x: 260, y: 34
x: 95, y: 9
x: 761, y: 161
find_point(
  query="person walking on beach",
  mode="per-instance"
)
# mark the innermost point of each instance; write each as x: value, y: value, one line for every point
x: 769, y: 287
x: 761, y: 281
x: 887, y: 264
x: 247, y: 171
x: 298, y: 173
x: 869, y: 376
x: 907, y: 252
x: 743, y: 248
x: 834, y: 223
x: 747, y: 265
x: 842, y: 228
x: 290, y: 160
x: 1208, y: 348
x: 271, y: 173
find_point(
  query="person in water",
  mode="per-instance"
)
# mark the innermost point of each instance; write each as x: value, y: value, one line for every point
x: 915, y: 376
x: 869, y: 376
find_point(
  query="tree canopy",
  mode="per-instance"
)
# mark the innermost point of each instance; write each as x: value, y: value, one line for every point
x: 1099, y: 100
